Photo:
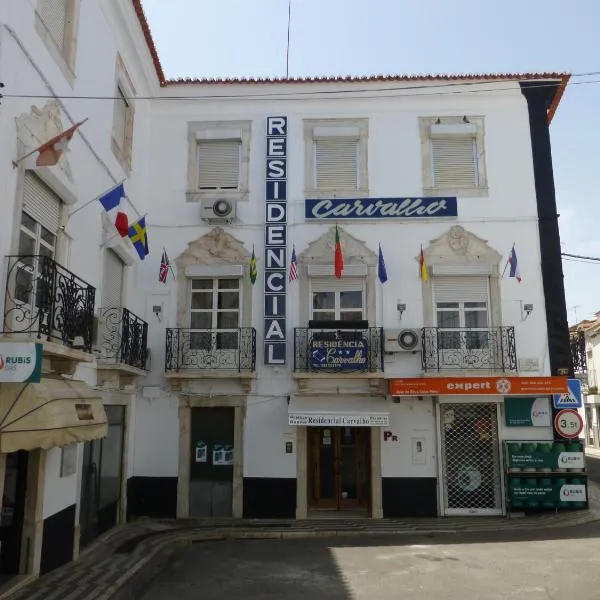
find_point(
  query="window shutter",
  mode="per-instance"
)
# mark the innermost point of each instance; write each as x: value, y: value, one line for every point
x: 112, y: 284
x: 219, y: 164
x: 54, y: 16
x: 41, y: 203
x: 330, y: 284
x: 460, y: 289
x: 454, y: 162
x: 336, y: 163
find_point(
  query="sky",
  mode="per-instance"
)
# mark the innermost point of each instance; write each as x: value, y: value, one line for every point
x: 235, y: 38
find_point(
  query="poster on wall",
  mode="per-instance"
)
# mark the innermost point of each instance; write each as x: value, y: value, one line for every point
x: 527, y: 412
x: 201, y: 452
x: 222, y: 455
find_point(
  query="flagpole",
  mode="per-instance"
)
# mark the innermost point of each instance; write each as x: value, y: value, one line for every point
x: 287, y: 51
x: 508, y: 260
x: 112, y: 189
x: 74, y: 127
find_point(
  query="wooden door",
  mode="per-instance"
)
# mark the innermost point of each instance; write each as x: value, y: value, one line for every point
x: 339, y: 466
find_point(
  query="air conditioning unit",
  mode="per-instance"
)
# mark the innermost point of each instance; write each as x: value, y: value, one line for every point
x: 402, y: 340
x: 218, y: 210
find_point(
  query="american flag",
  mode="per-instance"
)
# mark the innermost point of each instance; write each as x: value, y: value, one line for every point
x: 293, y: 266
x: 165, y: 266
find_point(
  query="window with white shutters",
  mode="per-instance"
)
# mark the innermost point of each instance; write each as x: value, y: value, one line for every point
x: 112, y: 283
x: 219, y: 164
x: 454, y: 162
x: 41, y: 203
x: 453, y: 155
x: 337, y: 164
x: 121, y: 109
x: 55, y: 17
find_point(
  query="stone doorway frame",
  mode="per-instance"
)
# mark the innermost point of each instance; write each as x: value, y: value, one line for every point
x: 302, y: 473
x: 186, y: 404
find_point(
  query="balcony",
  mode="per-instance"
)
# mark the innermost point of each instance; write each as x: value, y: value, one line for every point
x: 46, y: 301
x: 122, y: 340
x: 578, y: 355
x: 324, y: 348
x: 211, y: 350
x: 469, y: 349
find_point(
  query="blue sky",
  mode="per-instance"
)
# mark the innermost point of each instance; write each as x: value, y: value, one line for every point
x: 220, y: 38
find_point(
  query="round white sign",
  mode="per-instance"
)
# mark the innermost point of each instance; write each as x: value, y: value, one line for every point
x: 568, y: 423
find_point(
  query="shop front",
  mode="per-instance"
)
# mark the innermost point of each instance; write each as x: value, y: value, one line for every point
x: 474, y: 417
x: 35, y: 417
x: 339, y: 453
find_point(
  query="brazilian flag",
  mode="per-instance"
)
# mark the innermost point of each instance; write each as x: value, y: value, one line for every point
x: 253, y: 271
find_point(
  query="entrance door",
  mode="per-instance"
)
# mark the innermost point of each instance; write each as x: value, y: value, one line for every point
x: 211, y: 467
x: 470, y: 459
x: 90, y: 491
x: 13, y: 512
x: 340, y: 467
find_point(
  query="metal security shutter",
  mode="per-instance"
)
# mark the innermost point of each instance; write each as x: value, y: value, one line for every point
x: 219, y: 164
x: 112, y: 286
x: 41, y: 203
x: 460, y: 289
x: 330, y: 284
x: 453, y: 162
x: 336, y: 161
x: 54, y: 16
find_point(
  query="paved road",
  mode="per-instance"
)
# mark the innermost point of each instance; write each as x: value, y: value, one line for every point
x: 592, y: 466
x: 541, y: 565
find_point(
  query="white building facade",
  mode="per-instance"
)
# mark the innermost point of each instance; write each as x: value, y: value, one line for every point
x: 280, y: 387
x: 68, y: 277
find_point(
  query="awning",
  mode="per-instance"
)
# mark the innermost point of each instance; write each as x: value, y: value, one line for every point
x: 52, y: 413
x: 332, y: 411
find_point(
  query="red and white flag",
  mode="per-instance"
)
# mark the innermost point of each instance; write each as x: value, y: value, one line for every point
x: 52, y: 150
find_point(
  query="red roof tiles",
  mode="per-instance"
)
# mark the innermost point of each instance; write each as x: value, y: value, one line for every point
x: 562, y: 78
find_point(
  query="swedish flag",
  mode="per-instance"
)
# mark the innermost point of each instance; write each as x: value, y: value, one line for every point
x: 139, y: 237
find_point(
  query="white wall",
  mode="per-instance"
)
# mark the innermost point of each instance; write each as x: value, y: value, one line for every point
x: 156, y: 441
x: 265, y: 436
x: 410, y: 420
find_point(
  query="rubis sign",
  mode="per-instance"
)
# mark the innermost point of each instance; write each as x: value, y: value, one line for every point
x: 20, y: 361
x: 478, y: 386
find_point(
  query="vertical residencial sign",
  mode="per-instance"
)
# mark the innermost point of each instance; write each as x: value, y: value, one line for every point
x: 275, y: 345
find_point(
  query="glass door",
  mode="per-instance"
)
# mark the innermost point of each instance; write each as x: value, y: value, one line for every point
x: 90, y: 490
x: 339, y: 461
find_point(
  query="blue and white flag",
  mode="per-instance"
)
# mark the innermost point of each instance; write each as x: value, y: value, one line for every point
x: 381, y: 270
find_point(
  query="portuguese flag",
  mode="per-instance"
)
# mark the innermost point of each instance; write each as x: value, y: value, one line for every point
x: 338, y: 256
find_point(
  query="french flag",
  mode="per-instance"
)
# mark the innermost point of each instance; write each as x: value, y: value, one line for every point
x: 110, y: 201
x: 514, y: 265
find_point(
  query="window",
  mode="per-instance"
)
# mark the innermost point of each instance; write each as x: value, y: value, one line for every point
x: 462, y: 312
x: 38, y: 229
x: 219, y: 164
x: 337, y: 301
x: 123, y: 114
x: 218, y: 160
x: 336, y: 158
x: 214, y: 314
x: 453, y: 155
x: 56, y: 24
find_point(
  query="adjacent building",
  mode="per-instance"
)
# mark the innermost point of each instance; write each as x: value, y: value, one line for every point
x: 327, y: 319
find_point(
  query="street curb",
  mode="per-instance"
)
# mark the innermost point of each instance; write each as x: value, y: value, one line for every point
x: 141, y: 575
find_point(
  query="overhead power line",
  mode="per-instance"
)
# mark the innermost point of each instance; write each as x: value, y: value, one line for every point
x: 580, y: 257
x: 365, y: 91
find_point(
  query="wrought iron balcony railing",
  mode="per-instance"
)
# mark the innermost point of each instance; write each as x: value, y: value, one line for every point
x: 227, y: 349
x: 122, y: 338
x: 338, y: 350
x: 578, y: 355
x: 492, y: 349
x: 45, y: 300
